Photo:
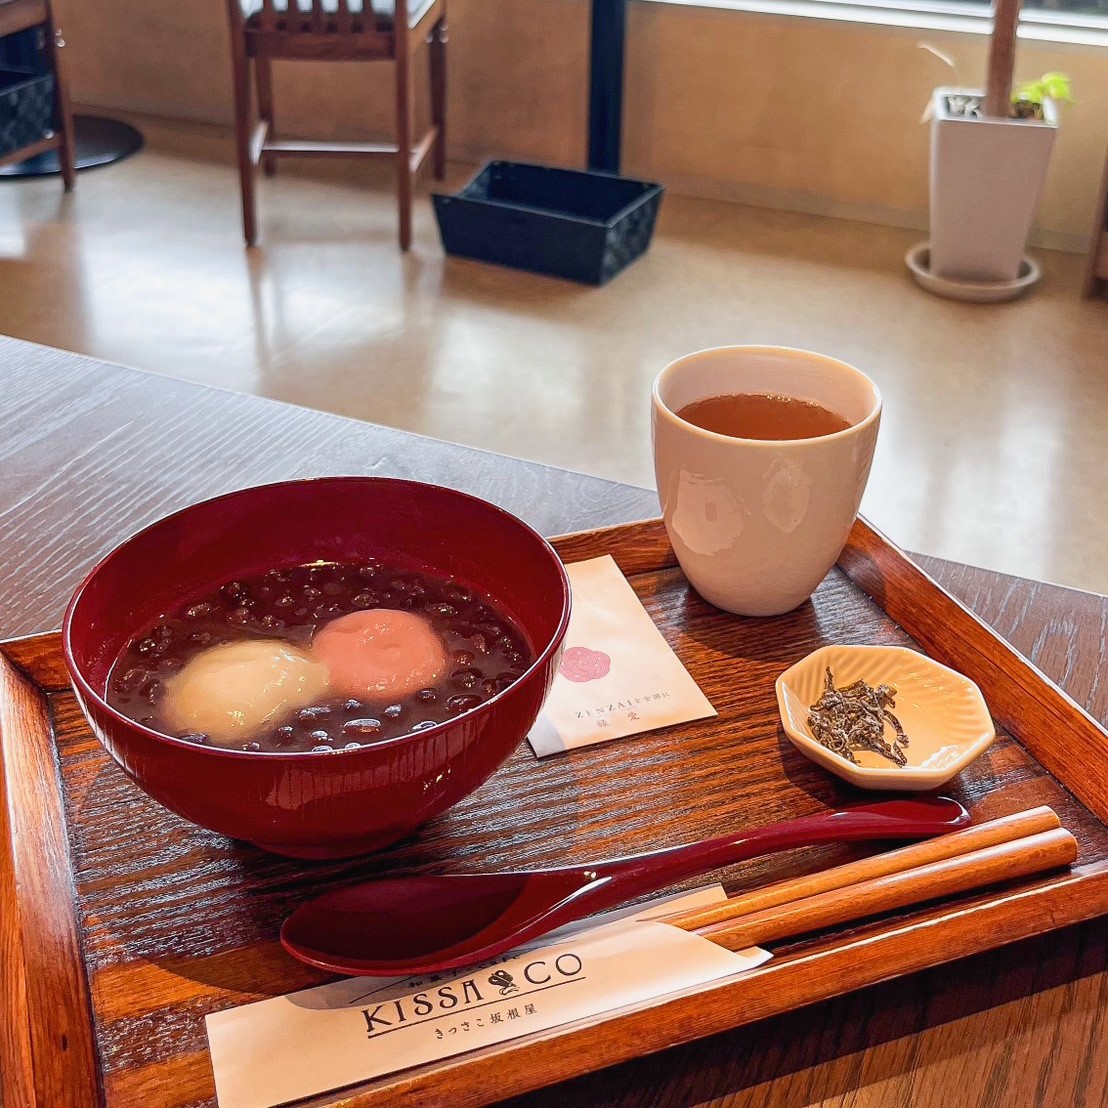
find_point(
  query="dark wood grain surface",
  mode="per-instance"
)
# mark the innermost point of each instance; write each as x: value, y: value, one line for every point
x: 177, y: 922
x: 89, y: 453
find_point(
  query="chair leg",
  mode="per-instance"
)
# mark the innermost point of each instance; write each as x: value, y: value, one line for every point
x: 67, y: 149
x: 241, y: 81
x: 263, y: 75
x: 404, y: 146
x: 436, y: 52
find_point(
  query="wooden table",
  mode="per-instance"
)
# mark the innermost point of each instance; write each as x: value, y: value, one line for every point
x: 91, y: 452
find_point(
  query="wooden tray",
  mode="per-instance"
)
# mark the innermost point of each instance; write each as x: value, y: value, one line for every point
x: 121, y: 926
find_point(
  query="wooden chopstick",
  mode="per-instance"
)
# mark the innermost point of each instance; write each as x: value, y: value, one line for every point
x: 996, y: 831
x: 990, y: 865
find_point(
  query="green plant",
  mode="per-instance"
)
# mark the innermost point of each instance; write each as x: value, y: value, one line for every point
x: 1050, y: 86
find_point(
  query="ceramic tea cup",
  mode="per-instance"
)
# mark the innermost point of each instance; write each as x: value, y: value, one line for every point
x: 757, y: 523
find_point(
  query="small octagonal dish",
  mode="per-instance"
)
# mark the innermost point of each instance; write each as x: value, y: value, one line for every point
x: 943, y: 714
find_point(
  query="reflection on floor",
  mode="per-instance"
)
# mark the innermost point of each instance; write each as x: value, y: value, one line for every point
x: 994, y: 448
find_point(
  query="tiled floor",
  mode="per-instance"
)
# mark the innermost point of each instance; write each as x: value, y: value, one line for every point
x: 994, y: 448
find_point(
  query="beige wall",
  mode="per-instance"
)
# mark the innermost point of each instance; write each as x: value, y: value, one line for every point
x: 516, y: 79
x: 785, y: 111
x: 824, y: 116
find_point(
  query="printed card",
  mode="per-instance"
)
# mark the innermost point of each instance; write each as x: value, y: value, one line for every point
x: 618, y: 675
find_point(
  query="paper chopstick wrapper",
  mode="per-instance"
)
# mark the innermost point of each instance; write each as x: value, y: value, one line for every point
x: 618, y: 675
x: 311, y: 1042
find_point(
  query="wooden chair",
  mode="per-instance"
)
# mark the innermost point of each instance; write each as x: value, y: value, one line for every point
x: 22, y: 15
x: 1096, y: 276
x: 336, y: 30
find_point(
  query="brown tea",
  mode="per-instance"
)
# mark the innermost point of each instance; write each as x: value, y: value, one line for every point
x: 762, y: 416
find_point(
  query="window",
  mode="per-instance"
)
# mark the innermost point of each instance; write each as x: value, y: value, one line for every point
x: 1073, y: 21
x: 1080, y: 7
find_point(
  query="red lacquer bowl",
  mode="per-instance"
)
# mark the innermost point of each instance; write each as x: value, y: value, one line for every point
x: 302, y: 804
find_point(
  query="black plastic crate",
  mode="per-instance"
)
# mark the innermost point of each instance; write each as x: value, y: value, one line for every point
x: 565, y: 222
x: 26, y: 107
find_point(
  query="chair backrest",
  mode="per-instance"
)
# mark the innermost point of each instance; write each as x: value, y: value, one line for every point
x: 321, y: 16
x: 293, y: 16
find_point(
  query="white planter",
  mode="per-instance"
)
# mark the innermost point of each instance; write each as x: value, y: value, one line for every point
x: 986, y: 179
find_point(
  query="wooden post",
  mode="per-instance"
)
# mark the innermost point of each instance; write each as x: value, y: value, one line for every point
x: 1002, y: 59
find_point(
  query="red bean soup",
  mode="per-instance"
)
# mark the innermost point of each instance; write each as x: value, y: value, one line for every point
x: 324, y: 657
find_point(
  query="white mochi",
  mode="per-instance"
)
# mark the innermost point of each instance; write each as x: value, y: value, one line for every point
x: 238, y: 690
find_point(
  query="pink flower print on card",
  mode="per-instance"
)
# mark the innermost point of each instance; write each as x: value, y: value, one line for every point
x: 580, y: 664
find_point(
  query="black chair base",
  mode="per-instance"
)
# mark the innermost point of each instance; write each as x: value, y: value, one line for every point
x: 100, y: 141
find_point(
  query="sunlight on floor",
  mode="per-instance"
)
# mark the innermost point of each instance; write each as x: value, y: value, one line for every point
x: 993, y: 449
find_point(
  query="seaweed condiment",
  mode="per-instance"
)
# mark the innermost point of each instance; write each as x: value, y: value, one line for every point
x: 854, y: 718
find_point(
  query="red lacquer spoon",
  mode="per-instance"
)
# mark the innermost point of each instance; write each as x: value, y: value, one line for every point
x: 405, y: 925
